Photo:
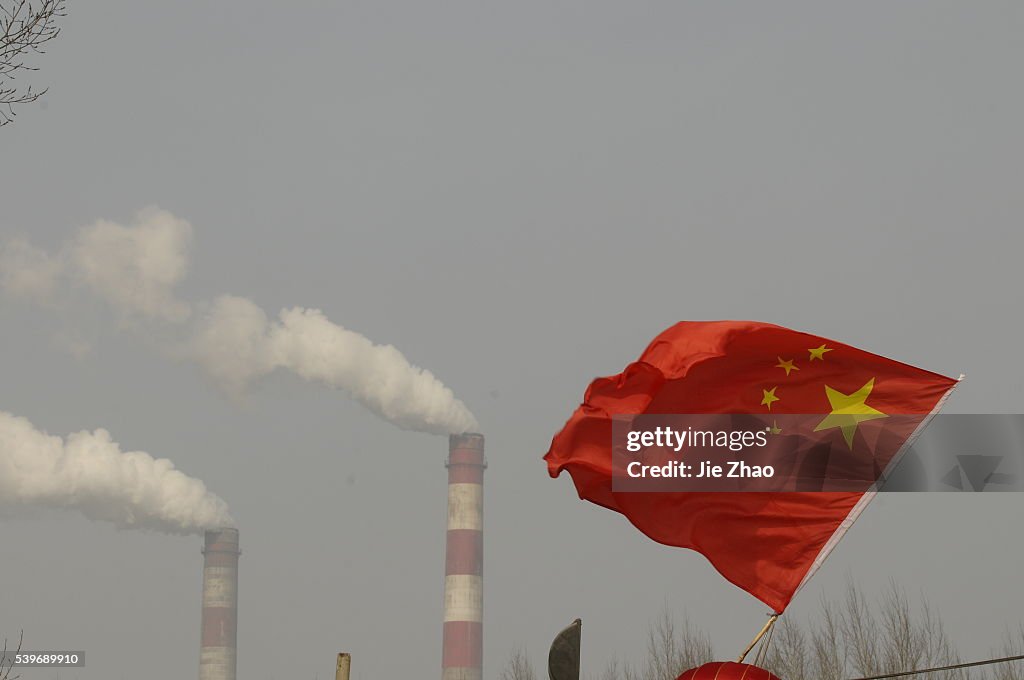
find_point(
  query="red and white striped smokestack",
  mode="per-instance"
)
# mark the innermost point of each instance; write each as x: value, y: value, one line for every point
x: 219, y: 629
x: 462, y: 655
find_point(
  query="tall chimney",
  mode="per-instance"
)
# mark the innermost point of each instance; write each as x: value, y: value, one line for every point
x: 220, y: 605
x: 462, y: 654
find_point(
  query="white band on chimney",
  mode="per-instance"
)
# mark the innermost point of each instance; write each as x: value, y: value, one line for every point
x: 465, y: 506
x: 463, y: 598
x: 462, y: 674
x: 216, y: 663
x: 219, y: 587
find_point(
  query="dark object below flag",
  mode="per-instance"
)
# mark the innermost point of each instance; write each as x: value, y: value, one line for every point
x: 564, y: 657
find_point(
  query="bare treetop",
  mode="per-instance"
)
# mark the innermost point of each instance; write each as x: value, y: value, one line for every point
x: 25, y: 27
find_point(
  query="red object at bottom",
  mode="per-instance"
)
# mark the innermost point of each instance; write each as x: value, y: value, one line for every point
x: 727, y: 670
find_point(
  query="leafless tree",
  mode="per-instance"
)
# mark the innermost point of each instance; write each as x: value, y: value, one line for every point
x: 518, y: 666
x: 7, y: 665
x: 671, y: 649
x: 613, y: 671
x: 25, y: 28
x: 854, y: 636
x: 1012, y: 646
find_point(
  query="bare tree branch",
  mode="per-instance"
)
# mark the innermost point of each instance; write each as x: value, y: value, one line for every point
x: 25, y: 28
x: 671, y: 649
x: 6, y: 673
x: 1013, y: 644
x: 852, y: 636
x: 518, y: 666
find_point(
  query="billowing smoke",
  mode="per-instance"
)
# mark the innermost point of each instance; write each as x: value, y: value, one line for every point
x: 135, y: 269
x: 89, y: 472
x: 28, y: 272
x: 235, y: 342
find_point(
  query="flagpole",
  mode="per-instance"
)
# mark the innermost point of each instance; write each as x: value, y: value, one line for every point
x: 765, y: 629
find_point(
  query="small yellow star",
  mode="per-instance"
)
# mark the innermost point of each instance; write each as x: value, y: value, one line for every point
x: 848, y: 410
x: 787, y: 364
x: 769, y: 397
x: 819, y: 352
x: 775, y: 429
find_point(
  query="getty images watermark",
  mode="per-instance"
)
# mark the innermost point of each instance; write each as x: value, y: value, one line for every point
x: 851, y: 452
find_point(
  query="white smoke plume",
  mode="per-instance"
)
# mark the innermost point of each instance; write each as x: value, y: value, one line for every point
x: 28, y: 272
x: 89, y: 472
x: 135, y: 269
x: 132, y: 268
x: 235, y: 342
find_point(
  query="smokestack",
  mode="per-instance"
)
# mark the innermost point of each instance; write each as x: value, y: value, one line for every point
x: 462, y: 654
x: 220, y: 605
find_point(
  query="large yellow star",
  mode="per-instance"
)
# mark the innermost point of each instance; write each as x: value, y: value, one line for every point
x: 787, y: 364
x: 848, y: 410
x: 769, y: 397
x: 819, y: 352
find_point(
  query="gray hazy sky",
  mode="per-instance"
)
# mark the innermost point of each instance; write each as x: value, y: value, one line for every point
x: 518, y: 196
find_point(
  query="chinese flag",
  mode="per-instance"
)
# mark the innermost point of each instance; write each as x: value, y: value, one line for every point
x: 768, y: 544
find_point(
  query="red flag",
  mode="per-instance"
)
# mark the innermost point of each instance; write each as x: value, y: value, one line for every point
x: 768, y: 544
